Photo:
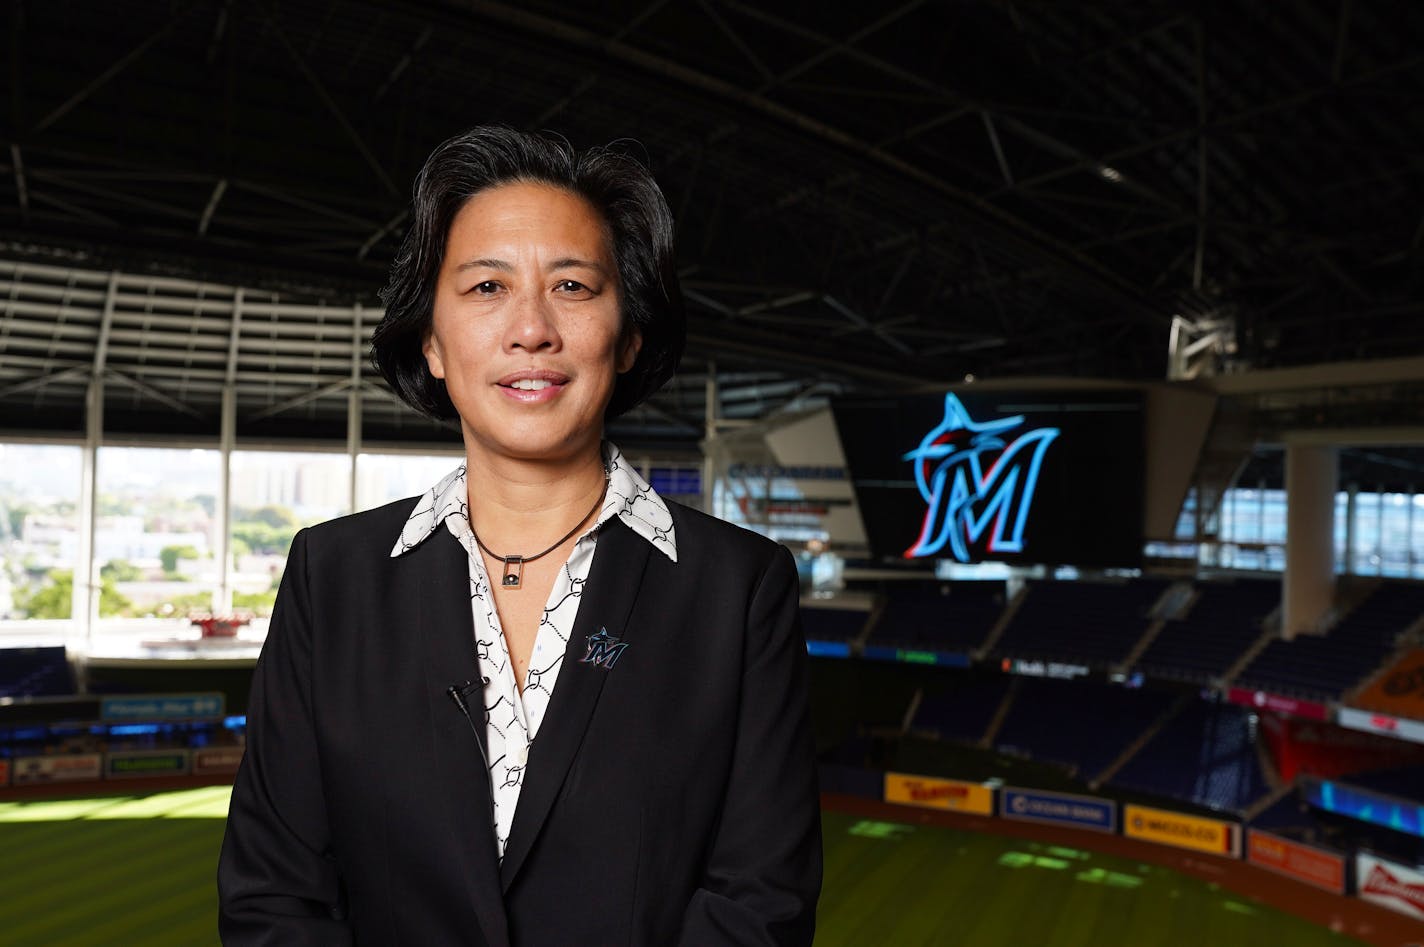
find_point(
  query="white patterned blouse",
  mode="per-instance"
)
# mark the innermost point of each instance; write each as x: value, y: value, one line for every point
x: 512, y: 720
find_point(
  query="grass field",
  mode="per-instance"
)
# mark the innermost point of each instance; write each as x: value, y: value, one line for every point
x: 138, y: 870
x: 888, y: 883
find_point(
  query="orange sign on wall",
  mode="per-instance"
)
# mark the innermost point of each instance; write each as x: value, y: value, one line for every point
x: 1294, y: 860
x: 951, y: 794
x: 1181, y: 830
x: 1400, y: 690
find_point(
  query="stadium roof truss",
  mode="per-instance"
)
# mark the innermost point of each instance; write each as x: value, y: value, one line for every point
x: 205, y: 195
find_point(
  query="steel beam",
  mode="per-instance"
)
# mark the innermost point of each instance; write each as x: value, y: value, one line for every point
x: 1026, y: 237
x: 219, y: 190
x: 22, y: 191
x: 335, y: 387
x: 144, y: 388
x: 73, y: 373
x: 336, y: 111
x: 98, y: 82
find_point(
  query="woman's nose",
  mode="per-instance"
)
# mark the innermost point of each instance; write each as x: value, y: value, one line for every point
x: 532, y: 326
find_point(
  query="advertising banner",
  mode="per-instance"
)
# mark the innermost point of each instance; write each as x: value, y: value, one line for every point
x: 4, y: 772
x: 1399, y: 691
x: 1261, y: 700
x: 161, y: 706
x: 930, y: 793
x: 1370, y: 722
x: 1084, y: 812
x: 827, y: 649
x: 72, y: 767
x: 1325, y: 750
x: 1390, y: 885
x: 1181, y: 830
x: 131, y: 764
x: 1302, y: 862
x: 215, y: 760
x: 1054, y: 669
x: 874, y: 652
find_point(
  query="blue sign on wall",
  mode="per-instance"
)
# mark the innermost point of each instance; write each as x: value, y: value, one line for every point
x: 1084, y: 812
x: 1376, y: 808
x: 827, y: 649
x: 161, y: 706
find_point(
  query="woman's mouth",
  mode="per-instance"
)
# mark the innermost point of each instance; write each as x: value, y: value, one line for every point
x: 533, y: 387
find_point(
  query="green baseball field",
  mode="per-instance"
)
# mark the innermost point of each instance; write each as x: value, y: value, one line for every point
x: 138, y: 870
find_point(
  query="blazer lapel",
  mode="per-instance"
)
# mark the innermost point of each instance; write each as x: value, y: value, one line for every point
x: 614, y: 579
x: 447, y: 638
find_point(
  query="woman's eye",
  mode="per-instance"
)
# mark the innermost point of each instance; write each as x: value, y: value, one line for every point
x: 485, y: 288
x: 571, y: 286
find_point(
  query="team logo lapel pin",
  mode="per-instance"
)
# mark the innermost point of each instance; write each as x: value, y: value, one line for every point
x: 604, y: 650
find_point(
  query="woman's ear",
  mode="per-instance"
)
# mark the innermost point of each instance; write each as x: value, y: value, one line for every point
x: 433, y: 359
x: 628, y: 349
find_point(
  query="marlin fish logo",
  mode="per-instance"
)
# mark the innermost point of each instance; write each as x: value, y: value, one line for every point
x: 603, y: 650
x: 963, y: 500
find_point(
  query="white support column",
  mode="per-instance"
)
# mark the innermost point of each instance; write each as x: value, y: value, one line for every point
x: 222, y: 595
x: 84, y: 602
x: 353, y: 406
x: 227, y: 440
x: 1309, y: 586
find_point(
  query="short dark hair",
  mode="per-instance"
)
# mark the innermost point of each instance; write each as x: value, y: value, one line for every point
x: 614, y: 183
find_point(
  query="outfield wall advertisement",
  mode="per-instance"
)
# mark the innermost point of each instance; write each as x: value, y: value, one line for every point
x: 58, y: 768
x: 1390, y: 885
x: 136, y: 764
x: 1305, y: 863
x: 928, y: 793
x: 1182, y: 831
x: 216, y: 760
x: 1082, y: 812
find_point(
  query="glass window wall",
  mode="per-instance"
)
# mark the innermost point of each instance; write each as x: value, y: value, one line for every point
x: 39, y: 529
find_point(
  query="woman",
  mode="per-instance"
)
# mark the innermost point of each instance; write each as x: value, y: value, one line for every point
x: 640, y: 768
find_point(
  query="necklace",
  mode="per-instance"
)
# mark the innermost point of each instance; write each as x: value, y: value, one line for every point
x: 512, y: 576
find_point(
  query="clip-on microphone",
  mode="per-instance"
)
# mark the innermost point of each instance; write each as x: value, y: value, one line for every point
x: 457, y: 692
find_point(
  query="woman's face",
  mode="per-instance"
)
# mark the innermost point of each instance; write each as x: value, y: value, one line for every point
x: 527, y: 327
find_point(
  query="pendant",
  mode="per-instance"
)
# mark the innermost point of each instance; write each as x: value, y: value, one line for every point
x: 513, y: 572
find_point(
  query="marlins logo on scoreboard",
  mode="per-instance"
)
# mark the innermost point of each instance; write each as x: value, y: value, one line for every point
x: 963, y: 499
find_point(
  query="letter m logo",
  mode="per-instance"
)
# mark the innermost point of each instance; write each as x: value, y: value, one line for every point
x: 603, y: 650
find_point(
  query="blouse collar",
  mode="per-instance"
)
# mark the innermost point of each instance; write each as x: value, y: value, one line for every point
x: 629, y: 498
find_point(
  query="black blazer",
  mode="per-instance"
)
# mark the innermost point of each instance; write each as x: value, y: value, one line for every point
x: 670, y: 798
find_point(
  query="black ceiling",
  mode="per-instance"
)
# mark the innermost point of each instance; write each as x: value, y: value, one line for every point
x: 866, y: 194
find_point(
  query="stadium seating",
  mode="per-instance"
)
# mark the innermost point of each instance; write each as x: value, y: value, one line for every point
x: 1223, y: 622
x: 963, y: 714
x: 1323, y: 667
x: 832, y: 624
x: 934, y: 616
x: 1081, y: 724
x: 35, y: 672
x: 1089, y: 623
x: 1205, y: 754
